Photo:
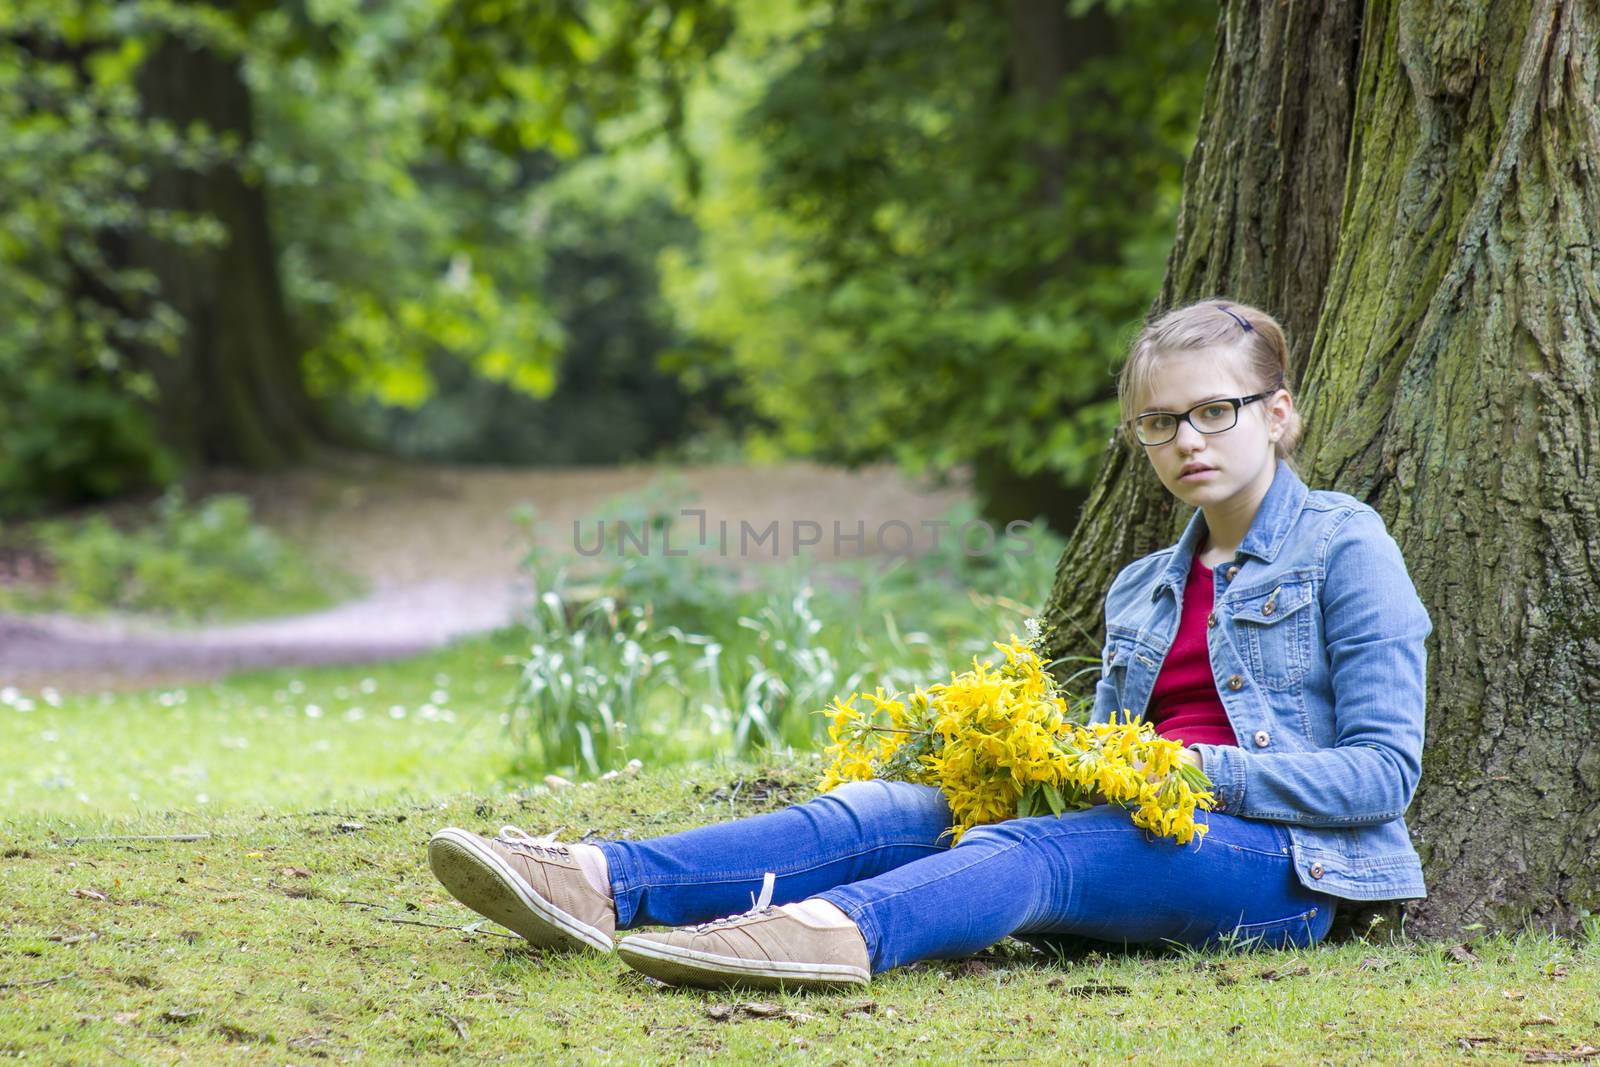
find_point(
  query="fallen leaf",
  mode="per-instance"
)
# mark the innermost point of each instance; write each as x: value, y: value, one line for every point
x: 86, y: 894
x: 1540, y: 1020
x: 1375, y: 963
x: 1550, y: 1055
x: 719, y: 1012
x: 1098, y: 989
x: 350, y: 827
x: 73, y: 939
x: 555, y: 781
x: 761, y: 1009
x: 180, y: 1015
x: 296, y: 872
x: 1462, y: 954
x: 1274, y: 976
x: 1511, y: 994
x: 123, y: 1018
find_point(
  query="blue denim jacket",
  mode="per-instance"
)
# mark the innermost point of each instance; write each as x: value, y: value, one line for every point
x: 1316, y: 644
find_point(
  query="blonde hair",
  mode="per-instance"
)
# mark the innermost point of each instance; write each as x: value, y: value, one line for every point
x: 1263, y: 357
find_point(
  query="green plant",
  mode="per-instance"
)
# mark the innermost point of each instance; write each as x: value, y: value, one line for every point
x: 740, y: 660
x: 586, y: 685
x: 195, y: 562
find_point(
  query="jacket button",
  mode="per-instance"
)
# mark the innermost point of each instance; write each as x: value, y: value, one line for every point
x: 1268, y: 608
x: 1232, y: 571
x: 1263, y: 739
x: 1221, y: 805
x: 1211, y: 620
x: 1112, y: 657
x: 1235, y: 682
x: 1316, y: 870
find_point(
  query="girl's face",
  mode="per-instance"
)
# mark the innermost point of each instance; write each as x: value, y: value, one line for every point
x: 1240, y: 462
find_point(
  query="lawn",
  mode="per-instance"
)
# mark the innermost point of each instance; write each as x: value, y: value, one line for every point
x: 236, y: 870
x: 293, y: 738
x: 315, y: 933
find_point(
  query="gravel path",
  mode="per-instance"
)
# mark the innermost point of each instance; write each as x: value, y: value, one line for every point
x: 439, y: 551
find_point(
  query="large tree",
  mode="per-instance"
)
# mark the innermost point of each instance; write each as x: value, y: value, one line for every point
x: 1415, y: 189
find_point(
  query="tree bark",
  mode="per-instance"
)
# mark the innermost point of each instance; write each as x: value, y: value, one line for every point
x: 1415, y: 190
x: 233, y: 393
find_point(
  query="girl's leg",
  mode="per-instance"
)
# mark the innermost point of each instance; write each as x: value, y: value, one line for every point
x: 1090, y: 873
x: 858, y: 831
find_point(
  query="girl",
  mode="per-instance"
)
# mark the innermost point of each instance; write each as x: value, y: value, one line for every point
x: 1281, y: 640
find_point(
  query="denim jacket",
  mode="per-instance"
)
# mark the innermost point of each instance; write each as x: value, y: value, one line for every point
x: 1316, y: 639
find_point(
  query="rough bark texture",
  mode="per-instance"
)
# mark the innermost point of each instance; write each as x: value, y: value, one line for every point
x: 233, y: 393
x: 1442, y: 298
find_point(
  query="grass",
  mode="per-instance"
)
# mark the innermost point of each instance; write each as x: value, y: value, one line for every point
x: 236, y: 870
x: 317, y: 935
x: 301, y: 737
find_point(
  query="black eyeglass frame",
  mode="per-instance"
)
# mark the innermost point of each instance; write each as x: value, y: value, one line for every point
x: 1182, y: 417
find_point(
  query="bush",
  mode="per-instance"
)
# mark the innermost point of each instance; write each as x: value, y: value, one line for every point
x: 193, y: 562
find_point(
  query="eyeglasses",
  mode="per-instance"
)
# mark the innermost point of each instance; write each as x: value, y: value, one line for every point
x: 1213, y: 416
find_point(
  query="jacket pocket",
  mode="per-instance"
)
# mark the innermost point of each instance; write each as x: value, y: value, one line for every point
x: 1275, y: 629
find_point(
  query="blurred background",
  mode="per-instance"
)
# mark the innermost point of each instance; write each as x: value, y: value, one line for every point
x: 328, y: 326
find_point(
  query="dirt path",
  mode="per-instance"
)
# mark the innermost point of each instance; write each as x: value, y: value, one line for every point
x: 438, y: 550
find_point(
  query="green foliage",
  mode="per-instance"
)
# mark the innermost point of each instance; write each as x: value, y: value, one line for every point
x: 905, y: 252
x: 397, y: 144
x: 591, y: 234
x: 686, y: 656
x: 193, y: 562
x: 395, y: 255
x: 75, y: 156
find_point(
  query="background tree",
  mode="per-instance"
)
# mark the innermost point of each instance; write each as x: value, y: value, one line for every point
x: 910, y: 245
x: 1416, y: 190
x: 219, y: 217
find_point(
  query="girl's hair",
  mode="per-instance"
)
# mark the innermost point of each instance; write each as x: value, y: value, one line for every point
x: 1262, y: 361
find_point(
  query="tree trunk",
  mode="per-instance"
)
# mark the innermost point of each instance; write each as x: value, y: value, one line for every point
x: 1415, y: 190
x: 233, y: 393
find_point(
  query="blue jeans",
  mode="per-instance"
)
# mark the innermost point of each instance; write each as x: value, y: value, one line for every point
x: 874, y: 850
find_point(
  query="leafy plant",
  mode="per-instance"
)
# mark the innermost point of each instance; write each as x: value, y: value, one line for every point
x: 196, y: 562
x: 740, y: 660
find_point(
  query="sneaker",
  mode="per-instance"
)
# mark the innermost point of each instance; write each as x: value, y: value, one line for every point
x: 528, y: 884
x: 763, y: 948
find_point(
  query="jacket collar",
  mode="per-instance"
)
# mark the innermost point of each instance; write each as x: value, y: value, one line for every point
x: 1276, y: 516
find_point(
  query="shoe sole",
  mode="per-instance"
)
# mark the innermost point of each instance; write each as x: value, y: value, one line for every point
x: 686, y: 966
x: 477, y: 877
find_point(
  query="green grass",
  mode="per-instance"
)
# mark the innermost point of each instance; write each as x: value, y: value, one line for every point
x: 274, y: 939
x: 296, y: 738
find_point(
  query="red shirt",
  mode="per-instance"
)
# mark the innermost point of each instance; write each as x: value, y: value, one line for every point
x: 1184, y: 704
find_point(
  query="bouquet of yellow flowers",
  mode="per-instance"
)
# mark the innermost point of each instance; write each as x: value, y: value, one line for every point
x: 1000, y: 743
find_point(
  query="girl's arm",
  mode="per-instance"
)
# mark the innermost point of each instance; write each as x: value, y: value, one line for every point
x: 1375, y: 625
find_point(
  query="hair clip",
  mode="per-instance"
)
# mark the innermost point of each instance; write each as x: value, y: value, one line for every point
x: 1243, y: 323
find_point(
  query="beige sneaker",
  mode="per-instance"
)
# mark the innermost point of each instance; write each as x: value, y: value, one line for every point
x: 763, y: 948
x: 528, y: 884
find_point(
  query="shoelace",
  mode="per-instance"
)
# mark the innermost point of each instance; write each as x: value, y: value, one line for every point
x: 519, y: 840
x: 758, y: 906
